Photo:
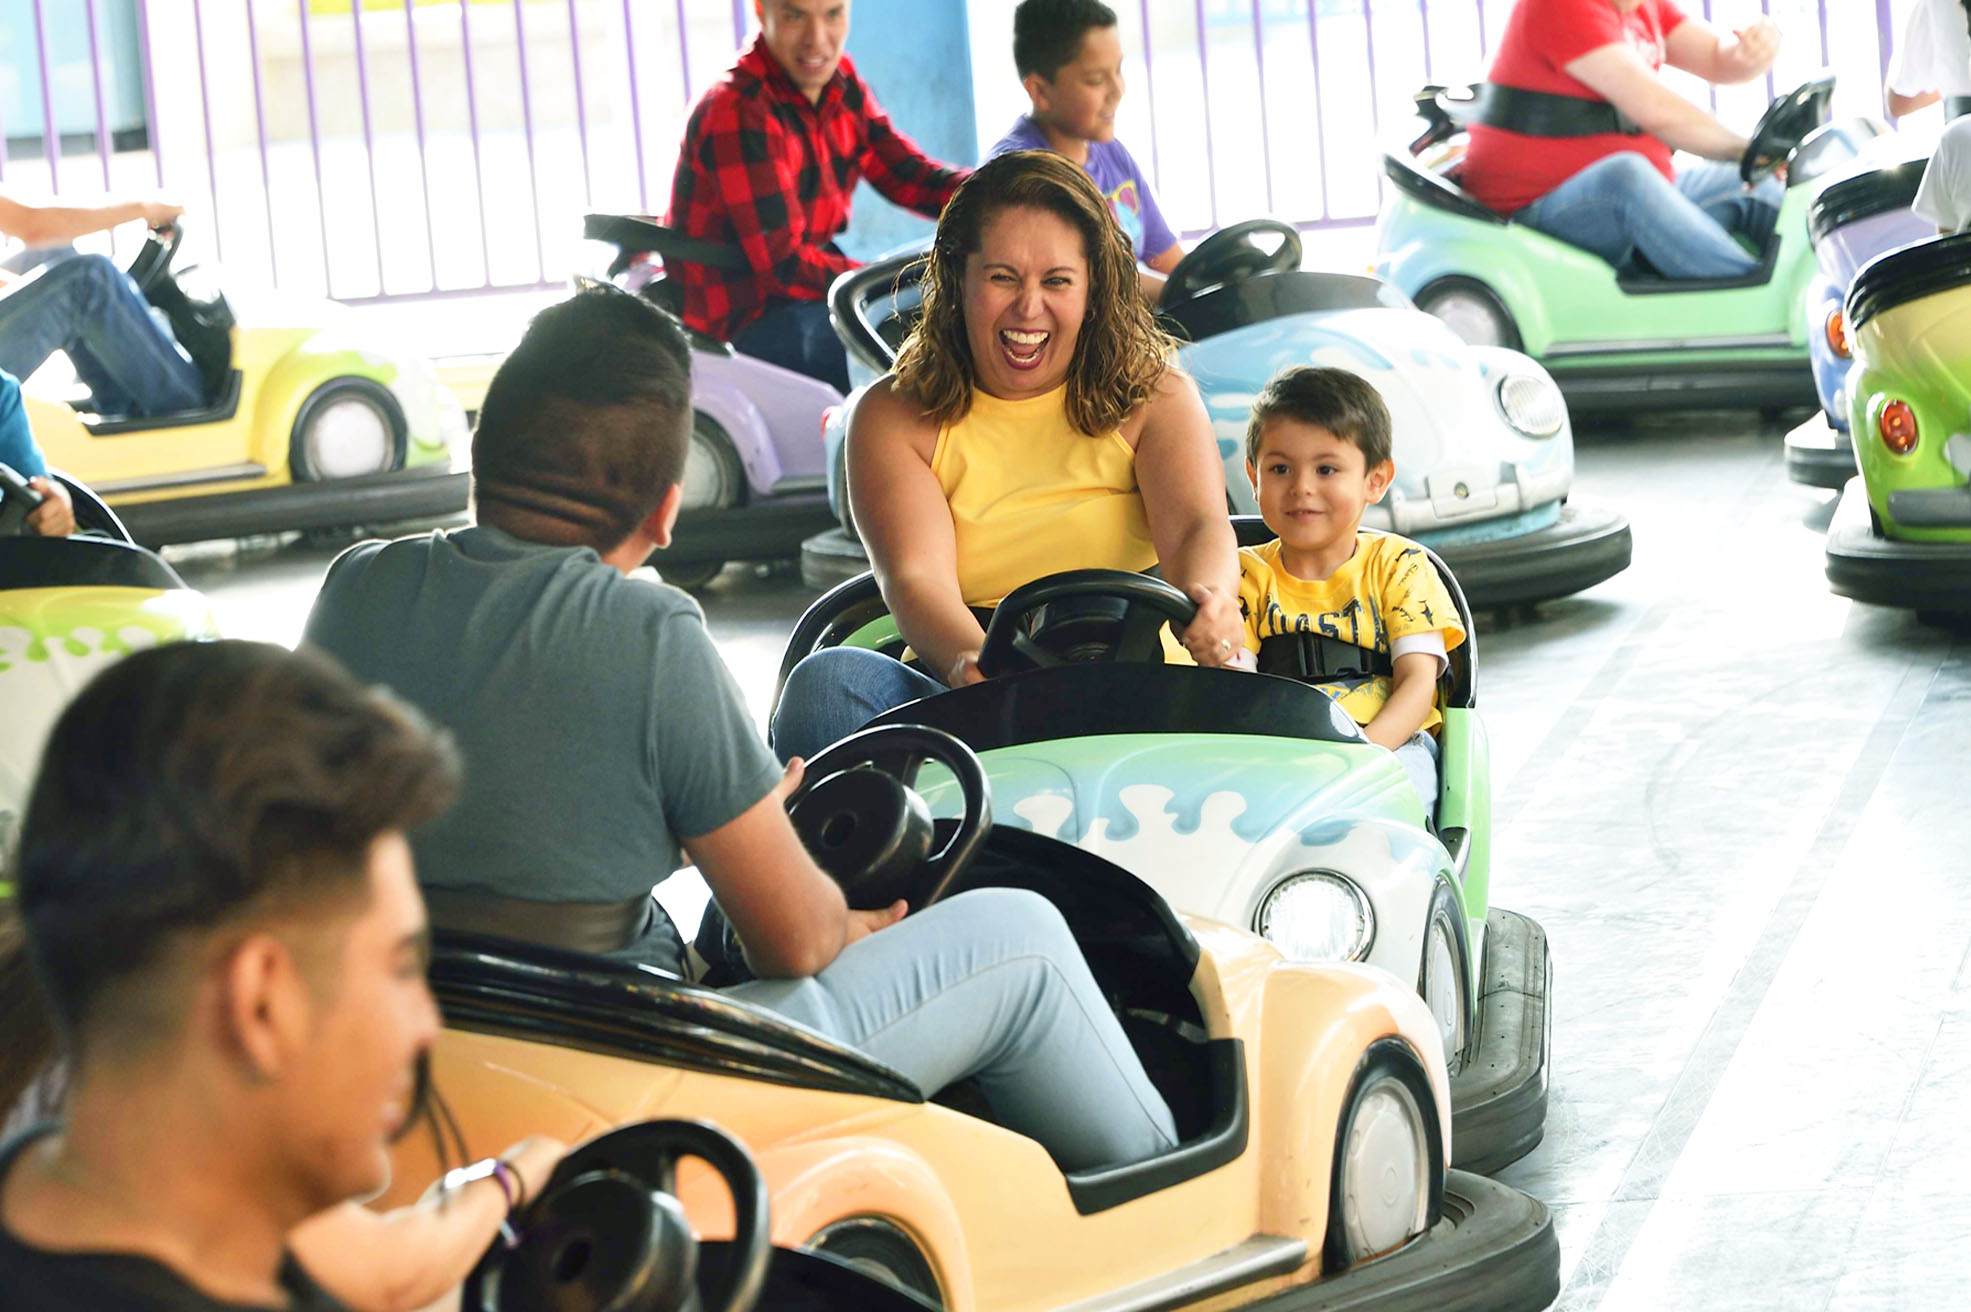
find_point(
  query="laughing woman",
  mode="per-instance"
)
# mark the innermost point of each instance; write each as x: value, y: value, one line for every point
x: 1034, y: 424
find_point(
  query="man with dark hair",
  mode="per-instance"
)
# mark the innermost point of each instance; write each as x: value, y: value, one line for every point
x: 219, y: 905
x: 603, y: 737
x: 770, y: 160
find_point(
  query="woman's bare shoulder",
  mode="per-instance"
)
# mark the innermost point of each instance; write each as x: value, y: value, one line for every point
x: 1174, y: 398
x: 888, y: 413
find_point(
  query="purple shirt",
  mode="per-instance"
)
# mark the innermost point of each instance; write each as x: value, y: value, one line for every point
x: 1116, y: 177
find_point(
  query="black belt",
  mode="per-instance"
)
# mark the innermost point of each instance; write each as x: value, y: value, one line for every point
x: 1545, y: 114
x: 594, y: 927
x: 1321, y: 658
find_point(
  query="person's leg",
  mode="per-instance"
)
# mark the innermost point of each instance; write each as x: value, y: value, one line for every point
x: 1418, y: 757
x: 1621, y: 205
x: 991, y: 984
x: 1720, y: 192
x: 833, y: 693
x: 89, y: 308
x: 797, y: 335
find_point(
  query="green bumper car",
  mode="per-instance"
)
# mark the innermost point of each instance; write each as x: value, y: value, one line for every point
x: 1901, y: 535
x: 1614, y: 340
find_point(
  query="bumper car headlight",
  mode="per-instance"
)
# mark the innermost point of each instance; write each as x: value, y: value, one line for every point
x: 1317, y: 915
x: 1532, y: 405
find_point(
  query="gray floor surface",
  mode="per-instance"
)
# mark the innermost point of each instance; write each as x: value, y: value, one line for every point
x: 1737, y: 804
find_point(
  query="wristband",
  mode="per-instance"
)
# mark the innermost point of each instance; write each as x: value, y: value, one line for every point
x: 511, y: 1188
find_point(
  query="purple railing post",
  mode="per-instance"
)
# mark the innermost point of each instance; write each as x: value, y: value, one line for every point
x: 417, y: 120
x: 1369, y: 48
x: 1149, y: 89
x: 1320, y: 117
x: 636, y: 112
x: 1423, y: 19
x: 369, y: 136
x: 1484, y: 41
x: 1265, y: 116
x: 738, y: 22
x: 581, y: 103
x: 1826, y: 50
x: 472, y: 125
x: 1766, y: 11
x: 1204, y: 83
x: 51, y: 138
x: 315, y: 147
x: 527, y: 127
x: 205, y: 122
x: 260, y: 126
x: 684, y: 48
x: 1885, y: 35
x: 96, y: 81
x: 150, y: 100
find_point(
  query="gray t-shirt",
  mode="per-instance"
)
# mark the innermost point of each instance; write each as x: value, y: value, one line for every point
x: 598, y: 725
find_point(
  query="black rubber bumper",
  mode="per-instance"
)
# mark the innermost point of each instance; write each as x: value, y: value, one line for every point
x: 1494, y: 1251
x: 1818, y: 456
x: 831, y: 557
x: 1589, y: 543
x: 420, y: 492
x: 773, y: 528
x: 1604, y: 385
x: 1499, y: 1099
x: 1865, y: 565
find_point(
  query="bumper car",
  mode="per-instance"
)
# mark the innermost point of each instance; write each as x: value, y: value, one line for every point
x: 1484, y: 450
x: 1311, y: 1100
x: 308, y: 426
x: 1901, y: 535
x: 1852, y: 219
x: 1614, y: 340
x: 1255, y: 802
x: 754, y: 482
x: 68, y: 608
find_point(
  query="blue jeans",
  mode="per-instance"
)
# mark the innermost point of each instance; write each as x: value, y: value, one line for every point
x: 797, y: 335
x: 1620, y: 208
x: 833, y: 693
x: 87, y: 307
x: 990, y: 984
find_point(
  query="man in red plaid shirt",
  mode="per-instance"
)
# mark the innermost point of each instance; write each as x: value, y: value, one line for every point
x: 771, y: 154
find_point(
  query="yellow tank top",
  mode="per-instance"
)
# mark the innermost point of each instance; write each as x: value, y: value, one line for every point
x: 1031, y: 495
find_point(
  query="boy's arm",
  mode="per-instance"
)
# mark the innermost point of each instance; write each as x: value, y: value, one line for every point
x: 1412, y: 692
x: 57, y: 225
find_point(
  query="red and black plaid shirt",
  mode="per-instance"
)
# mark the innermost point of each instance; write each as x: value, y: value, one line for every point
x: 763, y: 169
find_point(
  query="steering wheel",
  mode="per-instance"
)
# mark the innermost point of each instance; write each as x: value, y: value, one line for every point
x: 607, y: 1233
x: 1232, y: 255
x: 1784, y: 125
x: 17, y: 502
x: 1082, y: 615
x: 859, y: 815
x: 153, y: 261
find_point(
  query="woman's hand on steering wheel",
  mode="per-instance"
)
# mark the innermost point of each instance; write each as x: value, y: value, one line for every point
x: 1218, y: 633
x: 964, y: 670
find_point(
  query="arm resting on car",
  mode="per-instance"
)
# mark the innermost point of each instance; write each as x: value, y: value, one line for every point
x: 57, y: 225
x: 1621, y: 78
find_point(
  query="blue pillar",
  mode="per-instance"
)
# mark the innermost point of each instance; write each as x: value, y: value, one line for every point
x: 916, y: 55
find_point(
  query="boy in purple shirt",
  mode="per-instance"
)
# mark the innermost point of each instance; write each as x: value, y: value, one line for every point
x: 1069, y: 56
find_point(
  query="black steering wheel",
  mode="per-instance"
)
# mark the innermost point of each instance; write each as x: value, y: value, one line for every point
x: 17, y: 502
x: 608, y: 1234
x: 1232, y: 255
x: 859, y: 815
x: 153, y: 261
x: 1082, y: 615
x: 1784, y: 125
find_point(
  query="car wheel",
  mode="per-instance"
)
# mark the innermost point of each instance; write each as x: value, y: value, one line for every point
x: 881, y: 1249
x: 1471, y: 310
x: 347, y: 428
x: 1388, y: 1162
x: 713, y: 480
x: 1442, y: 978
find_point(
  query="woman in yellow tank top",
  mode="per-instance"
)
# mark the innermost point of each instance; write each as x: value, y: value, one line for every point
x: 1033, y: 425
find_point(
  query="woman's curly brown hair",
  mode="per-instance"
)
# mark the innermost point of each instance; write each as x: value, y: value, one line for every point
x: 1121, y: 354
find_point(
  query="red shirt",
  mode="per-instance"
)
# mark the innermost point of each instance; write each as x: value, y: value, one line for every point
x: 762, y: 168
x: 1507, y: 171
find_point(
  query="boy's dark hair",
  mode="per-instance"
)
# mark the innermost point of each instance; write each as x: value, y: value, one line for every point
x: 1048, y: 33
x: 1335, y: 399
x: 197, y: 786
x: 586, y: 425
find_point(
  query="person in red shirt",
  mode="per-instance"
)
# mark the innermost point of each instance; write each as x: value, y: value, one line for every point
x: 1615, y: 191
x: 772, y: 153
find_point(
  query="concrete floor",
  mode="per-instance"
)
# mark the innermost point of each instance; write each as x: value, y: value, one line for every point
x: 1736, y: 803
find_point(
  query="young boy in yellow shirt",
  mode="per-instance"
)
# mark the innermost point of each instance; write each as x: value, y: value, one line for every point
x: 1362, y: 615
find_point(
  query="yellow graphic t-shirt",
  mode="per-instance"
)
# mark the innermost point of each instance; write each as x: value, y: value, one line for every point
x: 1385, y: 591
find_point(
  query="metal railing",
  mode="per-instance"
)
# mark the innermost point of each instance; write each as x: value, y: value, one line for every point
x: 379, y: 150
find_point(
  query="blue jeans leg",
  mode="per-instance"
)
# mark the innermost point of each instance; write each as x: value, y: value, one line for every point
x: 797, y: 335
x: 89, y: 308
x: 1418, y: 757
x: 1621, y: 206
x: 1720, y: 192
x: 833, y: 693
x: 991, y: 984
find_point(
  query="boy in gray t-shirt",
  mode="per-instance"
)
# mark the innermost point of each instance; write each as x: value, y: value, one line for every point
x: 604, y: 741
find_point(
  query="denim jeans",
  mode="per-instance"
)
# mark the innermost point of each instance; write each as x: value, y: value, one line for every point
x: 87, y: 307
x: 990, y: 984
x: 1620, y: 208
x: 797, y: 335
x: 833, y: 693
